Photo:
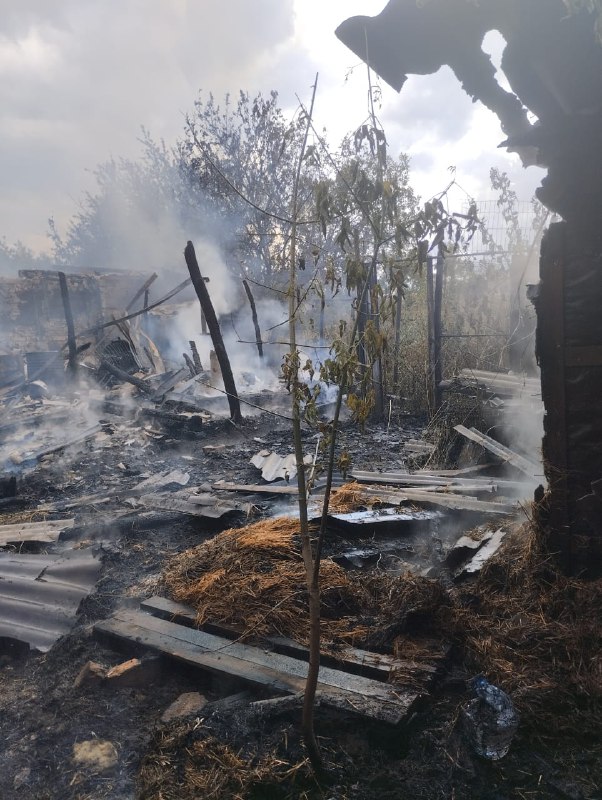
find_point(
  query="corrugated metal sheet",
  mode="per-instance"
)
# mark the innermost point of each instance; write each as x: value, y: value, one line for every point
x: 40, y: 594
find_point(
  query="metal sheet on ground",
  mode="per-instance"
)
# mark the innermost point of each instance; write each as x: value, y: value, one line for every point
x: 40, y: 594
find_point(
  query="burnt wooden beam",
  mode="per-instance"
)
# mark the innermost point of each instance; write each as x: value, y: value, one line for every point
x: 255, y: 319
x: 71, y: 343
x: 122, y: 375
x: 190, y: 365
x: 196, y: 359
x: 143, y: 290
x: 214, y: 330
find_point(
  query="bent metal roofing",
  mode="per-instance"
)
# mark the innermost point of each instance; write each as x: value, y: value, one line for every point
x: 40, y: 594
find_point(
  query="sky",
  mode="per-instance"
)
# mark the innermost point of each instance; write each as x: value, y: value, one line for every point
x: 80, y: 78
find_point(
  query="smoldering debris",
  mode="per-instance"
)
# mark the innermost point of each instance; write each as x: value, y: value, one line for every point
x: 136, y: 468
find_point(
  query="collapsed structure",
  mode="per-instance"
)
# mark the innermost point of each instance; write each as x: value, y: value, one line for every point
x: 553, y: 62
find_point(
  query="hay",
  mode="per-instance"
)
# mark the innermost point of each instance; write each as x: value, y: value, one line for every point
x: 537, y: 634
x: 532, y: 631
x: 253, y: 579
x: 348, y: 498
x: 180, y: 769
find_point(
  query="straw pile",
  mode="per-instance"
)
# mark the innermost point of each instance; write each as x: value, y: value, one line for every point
x: 253, y: 579
x: 180, y: 769
x: 537, y: 634
x: 349, y: 498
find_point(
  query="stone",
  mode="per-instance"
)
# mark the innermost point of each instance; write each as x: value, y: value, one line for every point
x: 187, y: 705
x: 91, y: 674
x: 22, y: 777
x: 96, y: 755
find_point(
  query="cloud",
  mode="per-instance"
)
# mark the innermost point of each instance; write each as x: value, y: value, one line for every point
x: 79, y: 78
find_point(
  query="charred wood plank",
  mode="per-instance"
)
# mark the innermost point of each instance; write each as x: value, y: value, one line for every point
x: 255, y: 319
x: 453, y: 502
x: 196, y: 359
x: 124, y: 376
x: 504, y: 453
x: 367, y: 697
x: 169, y: 383
x: 143, y: 290
x: 351, y: 659
x: 214, y: 330
x: 255, y: 488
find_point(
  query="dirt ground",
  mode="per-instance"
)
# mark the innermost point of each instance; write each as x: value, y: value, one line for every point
x: 42, y: 714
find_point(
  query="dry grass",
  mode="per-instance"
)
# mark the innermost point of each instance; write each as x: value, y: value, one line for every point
x: 537, y: 634
x: 532, y: 631
x: 210, y: 769
x: 350, y: 497
x: 253, y: 579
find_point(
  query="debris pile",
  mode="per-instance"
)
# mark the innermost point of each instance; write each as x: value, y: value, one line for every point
x: 254, y: 580
x: 536, y: 633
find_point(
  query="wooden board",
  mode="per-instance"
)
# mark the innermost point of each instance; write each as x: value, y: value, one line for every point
x: 267, y: 670
x: 474, y: 485
x: 255, y: 488
x: 453, y: 502
x: 530, y: 469
x: 351, y: 659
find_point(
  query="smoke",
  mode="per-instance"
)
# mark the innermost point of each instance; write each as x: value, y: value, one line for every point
x: 81, y: 77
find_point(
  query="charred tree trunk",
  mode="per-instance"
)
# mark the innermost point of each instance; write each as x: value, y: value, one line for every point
x: 214, y: 330
x: 255, y: 320
x: 71, y: 343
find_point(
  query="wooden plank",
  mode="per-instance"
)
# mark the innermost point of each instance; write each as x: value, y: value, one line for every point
x: 469, y: 485
x: 48, y: 531
x: 217, y: 655
x: 169, y: 383
x: 446, y: 500
x: 359, y: 662
x: 255, y: 488
x: 530, y: 469
x: 452, y: 473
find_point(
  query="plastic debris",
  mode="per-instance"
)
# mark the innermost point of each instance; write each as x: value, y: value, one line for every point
x: 490, y: 720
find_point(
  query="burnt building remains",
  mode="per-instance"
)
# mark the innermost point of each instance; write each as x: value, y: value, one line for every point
x: 553, y: 63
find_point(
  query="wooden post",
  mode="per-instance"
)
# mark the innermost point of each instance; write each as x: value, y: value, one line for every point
x: 196, y: 359
x: 143, y: 290
x: 214, y: 330
x: 71, y: 343
x: 255, y: 320
x: 190, y: 365
x: 430, y: 304
x: 437, y: 330
x: 397, y: 341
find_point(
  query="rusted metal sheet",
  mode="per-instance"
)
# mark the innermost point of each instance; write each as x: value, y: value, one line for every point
x: 40, y: 594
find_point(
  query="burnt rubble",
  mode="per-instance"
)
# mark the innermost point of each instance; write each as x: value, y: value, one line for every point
x: 149, y: 550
